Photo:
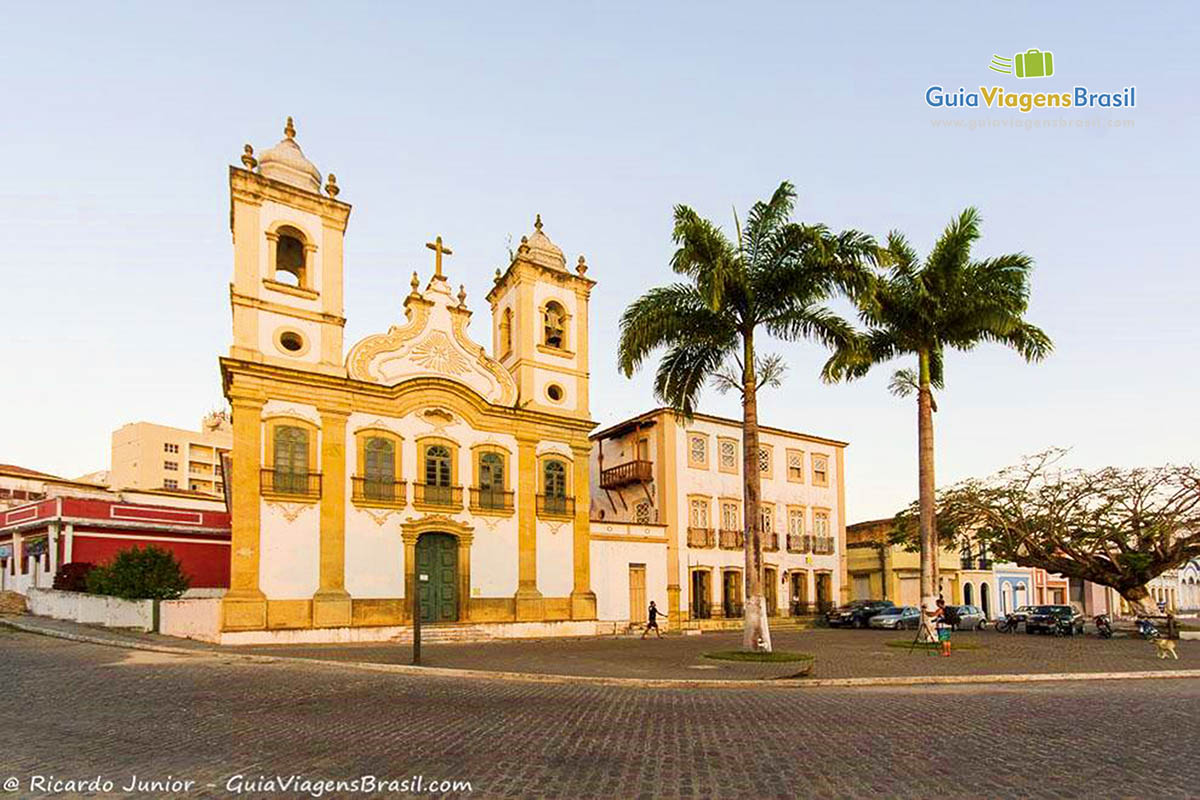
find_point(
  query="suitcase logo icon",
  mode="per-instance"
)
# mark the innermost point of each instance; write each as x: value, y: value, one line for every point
x: 1033, y: 63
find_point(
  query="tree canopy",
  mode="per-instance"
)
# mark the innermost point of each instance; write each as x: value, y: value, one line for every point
x: 1118, y: 527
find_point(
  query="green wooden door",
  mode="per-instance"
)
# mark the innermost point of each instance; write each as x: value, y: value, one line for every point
x: 437, y: 557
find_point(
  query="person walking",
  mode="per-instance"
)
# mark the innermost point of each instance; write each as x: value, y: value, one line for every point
x: 652, y: 620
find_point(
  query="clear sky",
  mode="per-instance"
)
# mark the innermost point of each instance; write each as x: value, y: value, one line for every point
x: 467, y: 119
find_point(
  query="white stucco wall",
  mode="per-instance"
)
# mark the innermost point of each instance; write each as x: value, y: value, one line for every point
x: 610, y: 577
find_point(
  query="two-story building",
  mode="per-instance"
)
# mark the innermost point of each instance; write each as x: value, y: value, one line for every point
x: 667, y: 518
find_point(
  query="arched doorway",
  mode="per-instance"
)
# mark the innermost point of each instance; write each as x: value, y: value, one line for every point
x: 985, y: 600
x: 968, y: 594
x: 437, y: 561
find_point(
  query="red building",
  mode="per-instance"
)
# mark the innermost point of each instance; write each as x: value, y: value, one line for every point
x: 37, y: 537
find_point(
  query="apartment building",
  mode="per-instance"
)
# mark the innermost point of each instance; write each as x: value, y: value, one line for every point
x: 150, y: 456
x: 667, y: 517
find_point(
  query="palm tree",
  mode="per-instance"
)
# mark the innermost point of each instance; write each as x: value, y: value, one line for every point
x: 774, y: 278
x: 921, y: 310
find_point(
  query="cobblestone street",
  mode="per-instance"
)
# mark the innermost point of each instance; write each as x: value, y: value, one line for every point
x: 839, y: 654
x: 80, y: 710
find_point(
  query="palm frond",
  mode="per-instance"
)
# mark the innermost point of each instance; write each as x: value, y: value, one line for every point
x: 662, y: 317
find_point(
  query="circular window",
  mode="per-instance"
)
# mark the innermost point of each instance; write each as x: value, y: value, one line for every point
x: 291, y: 342
x: 554, y: 392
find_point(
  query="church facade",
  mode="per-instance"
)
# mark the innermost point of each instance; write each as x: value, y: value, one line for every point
x: 417, y: 472
x: 414, y: 464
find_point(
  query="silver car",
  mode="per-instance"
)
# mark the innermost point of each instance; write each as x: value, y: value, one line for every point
x: 897, y: 618
x: 970, y: 618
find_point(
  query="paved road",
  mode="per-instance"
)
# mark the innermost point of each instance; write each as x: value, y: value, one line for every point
x: 79, y: 710
x: 839, y: 654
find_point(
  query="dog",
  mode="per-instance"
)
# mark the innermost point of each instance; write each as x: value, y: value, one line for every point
x: 1166, y: 647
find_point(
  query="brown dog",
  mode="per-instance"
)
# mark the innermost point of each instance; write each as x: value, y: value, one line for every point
x: 1166, y: 647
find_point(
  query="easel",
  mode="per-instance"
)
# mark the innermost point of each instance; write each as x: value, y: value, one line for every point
x: 926, y: 626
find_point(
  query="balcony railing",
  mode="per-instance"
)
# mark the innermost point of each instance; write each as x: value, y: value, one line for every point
x: 428, y: 494
x: 771, y: 542
x: 823, y: 545
x: 373, y: 490
x: 799, y: 543
x: 491, y: 499
x: 293, y: 484
x: 732, y: 540
x: 553, y: 506
x: 624, y: 474
x: 702, y: 537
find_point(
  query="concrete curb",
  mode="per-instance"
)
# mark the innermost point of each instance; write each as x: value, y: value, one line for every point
x: 593, y: 680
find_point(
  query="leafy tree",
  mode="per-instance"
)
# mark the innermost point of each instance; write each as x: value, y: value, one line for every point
x: 921, y: 309
x: 1114, y: 527
x: 775, y: 278
x: 149, y: 573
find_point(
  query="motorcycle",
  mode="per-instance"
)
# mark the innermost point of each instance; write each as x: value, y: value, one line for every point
x: 1104, y: 626
x: 1146, y: 629
x: 1007, y: 624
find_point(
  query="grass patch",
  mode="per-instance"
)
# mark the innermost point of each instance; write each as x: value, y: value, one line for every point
x: 776, y: 657
x: 954, y: 645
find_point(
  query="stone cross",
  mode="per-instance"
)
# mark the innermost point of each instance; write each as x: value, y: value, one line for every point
x: 439, y: 248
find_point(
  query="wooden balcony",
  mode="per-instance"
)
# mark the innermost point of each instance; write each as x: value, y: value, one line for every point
x: 627, y: 473
x: 799, y: 543
x: 732, y: 540
x: 823, y: 545
x: 702, y: 537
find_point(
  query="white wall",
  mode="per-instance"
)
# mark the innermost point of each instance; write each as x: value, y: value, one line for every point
x: 610, y: 577
x: 93, y: 609
x: 196, y: 618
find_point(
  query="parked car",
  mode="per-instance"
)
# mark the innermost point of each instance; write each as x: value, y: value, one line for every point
x: 1049, y: 619
x: 1022, y: 613
x: 897, y: 618
x: 970, y: 618
x: 857, y: 613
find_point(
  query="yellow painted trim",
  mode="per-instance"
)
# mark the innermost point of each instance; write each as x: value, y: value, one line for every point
x: 555, y: 351
x: 608, y: 537
x: 841, y: 512
x: 707, y: 501
x: 820, y: 458
x: 277, y: 340
x: 769, y: 474
x: 732, y: 469
x: 792, y: 451
x: 668, y: 473
x: 286, y: 288
x: 331, y: 603
x: 692, y: 461
x: 540, y: 335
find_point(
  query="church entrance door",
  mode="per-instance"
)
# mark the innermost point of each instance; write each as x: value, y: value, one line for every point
x: 437, y: 557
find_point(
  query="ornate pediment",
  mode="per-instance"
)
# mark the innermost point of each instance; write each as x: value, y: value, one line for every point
x: 433, y: 343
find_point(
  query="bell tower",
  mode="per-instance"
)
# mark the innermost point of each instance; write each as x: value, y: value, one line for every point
x: 287, y: 260
x: 540, y: 326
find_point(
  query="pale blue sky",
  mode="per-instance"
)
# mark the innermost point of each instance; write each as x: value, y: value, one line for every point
x: 119, y: 122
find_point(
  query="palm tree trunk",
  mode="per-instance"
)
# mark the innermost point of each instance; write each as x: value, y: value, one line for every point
x: 755, y: 635
x: 925, y: 487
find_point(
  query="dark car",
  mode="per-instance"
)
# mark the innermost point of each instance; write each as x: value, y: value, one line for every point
x: 1051, y: 619
x: 856, y: 613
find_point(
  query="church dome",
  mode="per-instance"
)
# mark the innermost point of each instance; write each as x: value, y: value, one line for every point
x: 541, y: 250
x: 286, y: 162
